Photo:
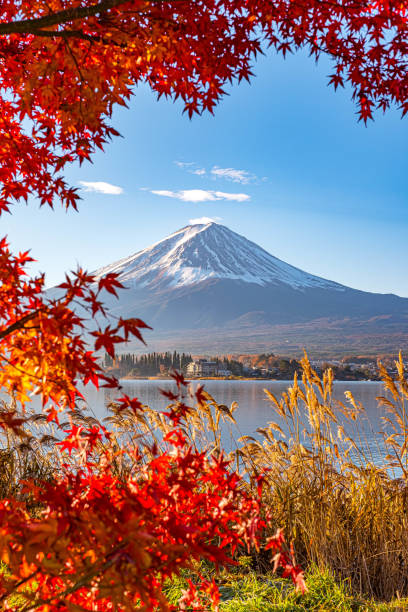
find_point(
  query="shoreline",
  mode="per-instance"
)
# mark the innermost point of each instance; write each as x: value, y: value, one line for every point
x: 238, y: 378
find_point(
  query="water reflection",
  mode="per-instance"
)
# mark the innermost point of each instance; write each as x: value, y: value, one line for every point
x: 255, y: 410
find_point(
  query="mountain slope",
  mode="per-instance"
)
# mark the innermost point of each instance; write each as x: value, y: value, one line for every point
x: 198, y: 253
x: 207, y: 277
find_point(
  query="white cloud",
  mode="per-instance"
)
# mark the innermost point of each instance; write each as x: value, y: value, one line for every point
x: 231, y: 174
x: 187, y: 195
x: 191, y: 167
x: 184, y: 164
x: 237, y: 197
x: 101, y: 187
x: 202, y: 195
x: 204, y: 220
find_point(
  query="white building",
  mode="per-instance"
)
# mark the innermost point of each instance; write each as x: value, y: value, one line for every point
x: 202, y: 367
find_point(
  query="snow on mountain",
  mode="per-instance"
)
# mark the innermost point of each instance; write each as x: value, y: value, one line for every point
x: 206, y: 289
x: 202, y: 252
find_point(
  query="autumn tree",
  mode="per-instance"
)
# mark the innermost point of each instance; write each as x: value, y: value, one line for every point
x: 64, y: 65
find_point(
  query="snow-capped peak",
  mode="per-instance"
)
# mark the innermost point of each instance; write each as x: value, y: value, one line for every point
x: 201, y: 252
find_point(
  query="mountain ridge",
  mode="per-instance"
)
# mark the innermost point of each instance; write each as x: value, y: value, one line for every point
x: 205, y: 285
x: 177, y: 257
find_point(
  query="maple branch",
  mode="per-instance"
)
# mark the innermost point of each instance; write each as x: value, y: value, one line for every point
x: 18, y: 324
x: 20, y: 584
x: 35, y: 26
x: 30, y: 26
x: 78, y: 34
x: 66, y: 34
x: 34, y: 376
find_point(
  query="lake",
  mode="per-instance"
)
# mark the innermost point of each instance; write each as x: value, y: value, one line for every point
x: 254, y: 409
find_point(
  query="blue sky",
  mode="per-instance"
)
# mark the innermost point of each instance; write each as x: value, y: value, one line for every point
x: 315, y: 187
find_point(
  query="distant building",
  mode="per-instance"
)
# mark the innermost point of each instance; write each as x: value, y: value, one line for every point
x: 202, y: 367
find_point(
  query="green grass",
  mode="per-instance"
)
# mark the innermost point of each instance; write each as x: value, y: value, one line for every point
x: 250, y: 592
x: 244, y: 590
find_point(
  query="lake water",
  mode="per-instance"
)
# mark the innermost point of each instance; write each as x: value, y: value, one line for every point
x: 254, y: 409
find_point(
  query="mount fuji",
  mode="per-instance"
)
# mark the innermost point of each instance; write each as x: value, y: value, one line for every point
x: 205, y: 288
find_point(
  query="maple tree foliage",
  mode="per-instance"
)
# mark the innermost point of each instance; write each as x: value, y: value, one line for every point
x: 42, y: 345
x: 100, y: 539
x: 65, y: 64
x: 116, y: 523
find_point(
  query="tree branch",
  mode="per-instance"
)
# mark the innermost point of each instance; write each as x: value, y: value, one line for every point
x: 18, y: 324
x: 31, y: 26
x: 19, y: 584
x: 36, y: 26
x: 66, y: 34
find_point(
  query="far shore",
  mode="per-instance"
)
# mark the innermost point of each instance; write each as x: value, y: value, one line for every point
x: 236, y: 378
x: 191, y: 378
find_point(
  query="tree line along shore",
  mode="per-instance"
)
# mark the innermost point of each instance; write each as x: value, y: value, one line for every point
x: 246, y: 366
